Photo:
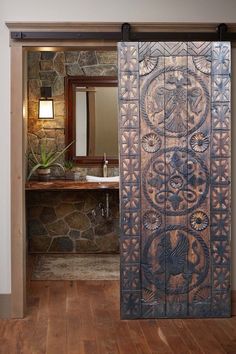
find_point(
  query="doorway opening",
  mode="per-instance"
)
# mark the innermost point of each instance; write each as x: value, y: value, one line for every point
x: 72, y: 229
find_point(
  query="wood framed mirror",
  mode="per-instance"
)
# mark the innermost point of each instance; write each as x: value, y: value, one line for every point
x: 92, y: 119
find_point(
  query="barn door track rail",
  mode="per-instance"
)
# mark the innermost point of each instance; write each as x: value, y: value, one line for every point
x: 127, y: 34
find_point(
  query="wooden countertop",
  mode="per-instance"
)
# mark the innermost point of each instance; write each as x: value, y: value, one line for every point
x: 69, y: 185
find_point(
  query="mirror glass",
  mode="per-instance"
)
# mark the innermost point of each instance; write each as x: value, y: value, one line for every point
x: 92, y: 119
x: 96, y: 112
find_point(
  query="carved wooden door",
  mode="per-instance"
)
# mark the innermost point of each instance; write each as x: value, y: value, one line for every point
x: 175, y: 179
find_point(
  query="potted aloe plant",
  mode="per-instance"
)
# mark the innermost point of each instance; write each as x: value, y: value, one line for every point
x: 46, y: 160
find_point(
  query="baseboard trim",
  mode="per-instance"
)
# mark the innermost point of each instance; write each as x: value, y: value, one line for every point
x: 233, y: 302
x: 5, y: 305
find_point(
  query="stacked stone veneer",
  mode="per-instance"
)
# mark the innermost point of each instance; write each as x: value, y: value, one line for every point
x: 72, y: 221
x: 65, y: 222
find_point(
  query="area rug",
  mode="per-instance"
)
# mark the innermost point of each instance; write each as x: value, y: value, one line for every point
x: 76, y: 267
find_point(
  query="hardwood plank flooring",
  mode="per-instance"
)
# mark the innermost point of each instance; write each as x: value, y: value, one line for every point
x: 82, y: 317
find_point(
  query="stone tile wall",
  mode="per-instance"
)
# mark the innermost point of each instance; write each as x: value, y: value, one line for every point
x: 72, y: 221
x: 67, y: 221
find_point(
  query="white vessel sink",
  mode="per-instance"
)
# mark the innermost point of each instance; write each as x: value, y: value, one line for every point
x: 102, y: 179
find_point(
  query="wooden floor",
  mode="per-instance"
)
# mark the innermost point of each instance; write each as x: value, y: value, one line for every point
x: 83, y: 317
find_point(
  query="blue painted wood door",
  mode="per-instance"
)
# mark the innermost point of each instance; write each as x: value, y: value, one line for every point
x: 174, y: 125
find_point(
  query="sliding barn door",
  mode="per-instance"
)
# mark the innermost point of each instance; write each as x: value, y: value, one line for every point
x: 175, y: 179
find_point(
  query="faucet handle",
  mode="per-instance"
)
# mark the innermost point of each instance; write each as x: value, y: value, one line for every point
x: 105, y: 158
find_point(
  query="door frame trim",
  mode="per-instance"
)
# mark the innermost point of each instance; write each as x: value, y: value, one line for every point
x: 19, y: 119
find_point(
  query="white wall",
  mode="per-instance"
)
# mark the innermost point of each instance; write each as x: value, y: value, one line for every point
x: 77, y: 10
x: 123, y: 10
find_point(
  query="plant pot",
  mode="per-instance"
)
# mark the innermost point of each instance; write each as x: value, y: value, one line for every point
x: 44, y: 173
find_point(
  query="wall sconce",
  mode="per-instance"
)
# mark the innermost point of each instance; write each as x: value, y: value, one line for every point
x: 46, y: 110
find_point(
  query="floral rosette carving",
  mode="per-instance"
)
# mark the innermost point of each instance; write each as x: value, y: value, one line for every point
x: 199, y: 142
x: 151, y: 220
x: 199, y: 220
x: 151, y: 142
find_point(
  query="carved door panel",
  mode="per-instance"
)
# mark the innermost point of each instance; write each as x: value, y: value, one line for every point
x: 174, y: 100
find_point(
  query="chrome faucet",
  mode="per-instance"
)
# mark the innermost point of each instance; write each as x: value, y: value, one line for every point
x: 105, y: 168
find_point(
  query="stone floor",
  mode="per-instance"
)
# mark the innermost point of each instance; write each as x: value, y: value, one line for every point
x: 76, y: 267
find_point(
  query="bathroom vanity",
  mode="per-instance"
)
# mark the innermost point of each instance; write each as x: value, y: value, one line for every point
x: 72, y: 216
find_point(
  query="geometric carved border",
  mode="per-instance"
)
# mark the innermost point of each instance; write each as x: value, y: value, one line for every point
x: 130, y: 179
x: 220, y: 179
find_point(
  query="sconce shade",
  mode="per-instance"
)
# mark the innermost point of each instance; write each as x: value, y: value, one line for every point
x: 46, y: 109
x: 45, y: 104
